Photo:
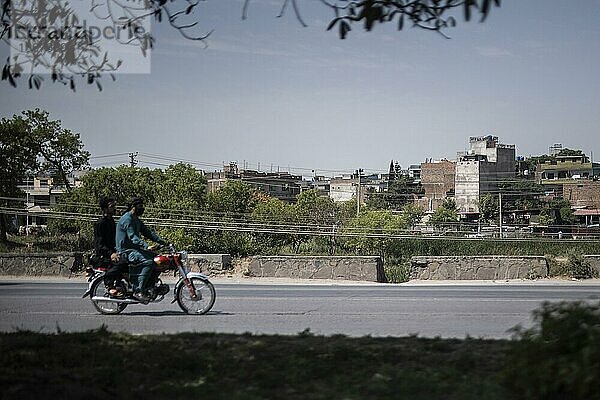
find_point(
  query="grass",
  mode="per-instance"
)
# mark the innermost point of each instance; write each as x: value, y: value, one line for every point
x: 100, y: 364
x: 557, y: 358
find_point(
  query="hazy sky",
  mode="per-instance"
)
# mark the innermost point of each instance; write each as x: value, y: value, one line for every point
x: 271, y: 91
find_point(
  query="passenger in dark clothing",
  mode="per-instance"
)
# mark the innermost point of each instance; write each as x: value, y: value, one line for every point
x: 104, y: 242
x: 104, y: 233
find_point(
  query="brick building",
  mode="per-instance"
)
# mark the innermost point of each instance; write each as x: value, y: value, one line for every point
x: 583, y: 194
x: 437, y: 180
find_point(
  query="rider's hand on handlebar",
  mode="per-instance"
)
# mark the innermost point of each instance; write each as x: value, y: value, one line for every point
x: 114, y: 257
x: 153, y: 247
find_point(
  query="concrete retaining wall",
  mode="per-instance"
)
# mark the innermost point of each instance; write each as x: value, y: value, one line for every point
x: 318, y: 267
x: 210, y: 263
x: 479, y: 267
x: 40, y: 264
x: 63, y: 264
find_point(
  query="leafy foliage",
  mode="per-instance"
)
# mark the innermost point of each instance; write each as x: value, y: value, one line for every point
x: 446, y: 212
x: 557, y: 212
x: 30, y: 143
x: 79, y: 58
x: 425, y: 14
x: 78, y: 55
x: 167, y: 193
x: 520, y: 195
x: 400, y: 192
x: 488, y: 208
x: 559, y: 357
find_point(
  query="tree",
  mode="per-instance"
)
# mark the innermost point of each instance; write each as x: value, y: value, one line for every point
x: 177, y: 193
x: 78, y: 57
x: 427, y: 14
x: 233, y: 202
x: 31, y: 143
x: 316, y: 211
x: 122, y: 183
x: 59, y: 151
x: 412, y: 214
x: 445, y: 213
x: 401, y: 191
x: 278, y: 214
x: 367, y: 228
x: 489, y: 208
x: 557, y: 212
x: 233, y: 198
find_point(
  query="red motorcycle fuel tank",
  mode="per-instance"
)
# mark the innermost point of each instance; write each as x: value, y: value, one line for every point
x: 162, y: 261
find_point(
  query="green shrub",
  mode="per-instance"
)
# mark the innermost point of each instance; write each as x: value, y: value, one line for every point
x: 397, y: 272
x: 574, y: 265
x: 579, y: 267
x: 559, y: 357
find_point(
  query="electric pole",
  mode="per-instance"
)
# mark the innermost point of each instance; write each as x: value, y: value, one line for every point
x: 500, y: 203
x: 358, y: 173
x: 133, y: 159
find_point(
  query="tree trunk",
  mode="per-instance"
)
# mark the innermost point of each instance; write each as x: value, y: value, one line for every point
x: 3, y: 237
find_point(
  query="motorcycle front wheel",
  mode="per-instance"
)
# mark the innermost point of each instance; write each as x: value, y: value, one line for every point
x: 104, y: 307
x: 205, y: 296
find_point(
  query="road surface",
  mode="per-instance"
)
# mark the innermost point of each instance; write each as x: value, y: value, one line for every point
x: 447, y: 310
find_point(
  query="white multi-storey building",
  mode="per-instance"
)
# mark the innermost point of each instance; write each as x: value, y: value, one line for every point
x: 480, y: 169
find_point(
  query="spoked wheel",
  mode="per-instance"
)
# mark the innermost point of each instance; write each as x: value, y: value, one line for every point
x: 104, y: 307
x: 204, y: 300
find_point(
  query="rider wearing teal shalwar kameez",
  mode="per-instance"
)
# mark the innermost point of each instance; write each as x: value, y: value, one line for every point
x: 130, y: 244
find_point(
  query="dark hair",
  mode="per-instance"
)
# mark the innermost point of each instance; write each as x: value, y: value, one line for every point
x: 136, y: 201
x: 105, y: 201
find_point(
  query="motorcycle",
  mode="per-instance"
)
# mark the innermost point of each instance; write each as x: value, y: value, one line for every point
x: 193, y: 292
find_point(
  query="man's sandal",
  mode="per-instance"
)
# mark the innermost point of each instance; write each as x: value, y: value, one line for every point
x: 116, y: 293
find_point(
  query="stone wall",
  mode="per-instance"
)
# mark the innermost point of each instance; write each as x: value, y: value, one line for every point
x: 40, y: 264
x: 478, y: 268
x: 318, y: 267
x: 64, y: 264
x: 210, y: 263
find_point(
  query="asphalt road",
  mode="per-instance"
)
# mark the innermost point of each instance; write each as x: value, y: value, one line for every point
x: 452, y: 310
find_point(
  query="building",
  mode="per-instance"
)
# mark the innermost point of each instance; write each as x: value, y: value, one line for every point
x: 479, y: 170
x: 565, y: 169
x: 343, y: 188
x: 582, y: 194
x: 42, y: 193
x: 320, y: 183
x: 414, y: 172
x: 437, y: 180
x: 281, y: 185
x: 555, y: 149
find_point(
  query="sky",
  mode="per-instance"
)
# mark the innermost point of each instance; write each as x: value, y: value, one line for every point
x: 269, y: 91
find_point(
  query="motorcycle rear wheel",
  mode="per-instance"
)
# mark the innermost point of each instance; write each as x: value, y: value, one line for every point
x: 205, y: 293
x: 104, y: 307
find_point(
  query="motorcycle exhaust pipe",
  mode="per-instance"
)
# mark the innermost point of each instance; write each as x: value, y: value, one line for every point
x: 126, y: 301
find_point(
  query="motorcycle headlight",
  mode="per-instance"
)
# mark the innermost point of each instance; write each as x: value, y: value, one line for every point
x: 184, y: 255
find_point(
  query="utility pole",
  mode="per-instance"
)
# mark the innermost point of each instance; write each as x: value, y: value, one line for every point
x: 358, y: 173
x: 133, y: 159
x: 500, y: 203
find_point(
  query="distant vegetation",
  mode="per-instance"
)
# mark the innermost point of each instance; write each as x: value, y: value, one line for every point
x: 242, y: 221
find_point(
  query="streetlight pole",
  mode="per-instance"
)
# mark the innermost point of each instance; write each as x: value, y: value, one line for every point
x: 500, y: 202
x: 358, y: 173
